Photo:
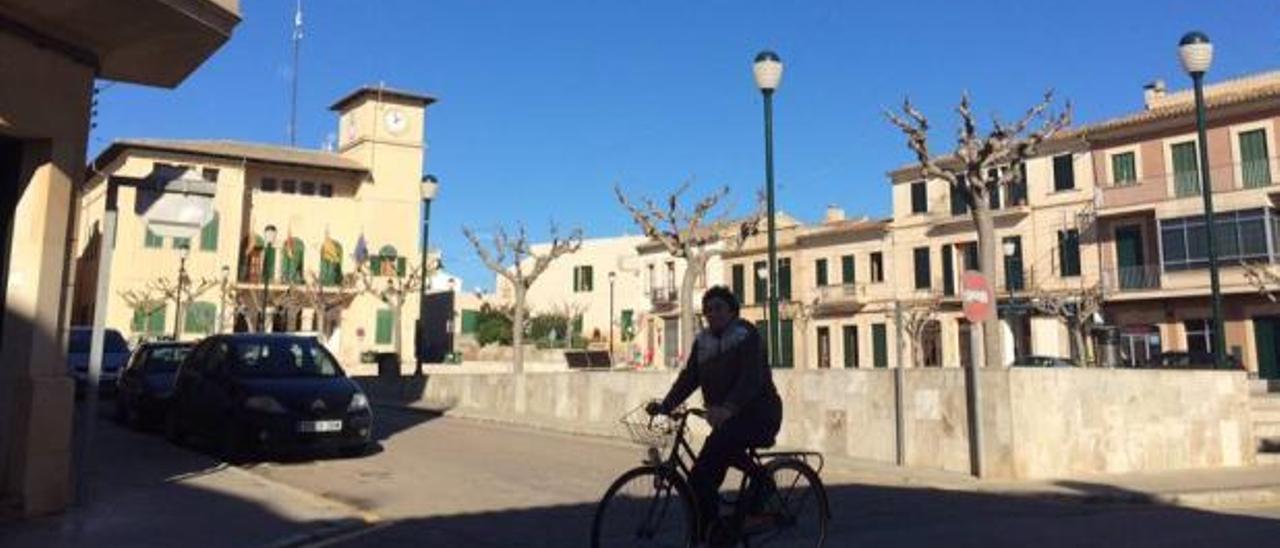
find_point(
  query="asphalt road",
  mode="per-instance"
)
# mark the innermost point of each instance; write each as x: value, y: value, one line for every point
x: 440, y: 481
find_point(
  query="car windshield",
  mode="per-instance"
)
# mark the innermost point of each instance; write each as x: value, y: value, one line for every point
x: 284, y: 357
x: 113, y: 342
x: 164, y: 359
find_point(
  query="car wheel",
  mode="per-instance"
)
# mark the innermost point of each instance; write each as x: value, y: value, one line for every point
x: 233, y: 447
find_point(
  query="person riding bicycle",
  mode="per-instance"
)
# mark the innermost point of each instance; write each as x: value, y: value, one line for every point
x: 728, y: 363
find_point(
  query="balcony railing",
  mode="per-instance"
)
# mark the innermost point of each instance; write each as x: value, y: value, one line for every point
x: 840, y: 293
x: 663, y: 295
x: 1134, y: 278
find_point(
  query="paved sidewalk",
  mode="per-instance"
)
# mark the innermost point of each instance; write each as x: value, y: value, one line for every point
x: 146, y: 492
x: 1189, y: 488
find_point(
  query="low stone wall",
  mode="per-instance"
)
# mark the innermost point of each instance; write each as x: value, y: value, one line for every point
x: 1037, y: 423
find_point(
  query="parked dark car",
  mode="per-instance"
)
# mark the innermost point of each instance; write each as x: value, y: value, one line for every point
x: 247, y: 393
x: 144, y: 387
x: 1043, y: 361
x: 115, y: 353
x: 1191, y: 360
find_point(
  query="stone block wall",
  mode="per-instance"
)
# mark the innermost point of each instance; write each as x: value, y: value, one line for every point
x: 1037, y: 423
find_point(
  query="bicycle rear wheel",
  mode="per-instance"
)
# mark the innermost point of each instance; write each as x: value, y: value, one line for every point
x: 646, y: 506
x: 797, y: 505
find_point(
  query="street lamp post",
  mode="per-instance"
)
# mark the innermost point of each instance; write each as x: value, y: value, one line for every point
x: 222, y: 299
x: 767, y: 70
x: 763, y: 274
x: 612, y: 277
x: 268, y: 238
x: 183, y: 253
x: 1196, y: 53
x: 428, y: 188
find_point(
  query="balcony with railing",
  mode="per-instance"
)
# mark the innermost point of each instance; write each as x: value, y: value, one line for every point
x: 1132, y: 278
x: 664, y: 297
x: 837, y: 298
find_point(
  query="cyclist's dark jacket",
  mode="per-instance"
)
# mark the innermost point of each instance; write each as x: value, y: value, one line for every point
x: 732, y: 371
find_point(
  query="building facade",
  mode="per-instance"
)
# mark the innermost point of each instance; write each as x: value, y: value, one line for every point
x: 347, y: 235
x: 52, y: 55
x: 603, y: 274
x: 1153, y: 243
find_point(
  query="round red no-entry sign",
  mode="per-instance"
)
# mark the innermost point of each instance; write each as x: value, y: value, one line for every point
x: 978, y: 298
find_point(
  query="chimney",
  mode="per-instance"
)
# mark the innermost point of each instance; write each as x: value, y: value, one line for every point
x: 834, y: 214
x: 1152, y: 93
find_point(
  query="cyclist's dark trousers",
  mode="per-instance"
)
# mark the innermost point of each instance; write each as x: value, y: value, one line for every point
x: 725, y: 447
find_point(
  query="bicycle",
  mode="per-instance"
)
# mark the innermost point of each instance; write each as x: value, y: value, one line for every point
x: 653, y: 504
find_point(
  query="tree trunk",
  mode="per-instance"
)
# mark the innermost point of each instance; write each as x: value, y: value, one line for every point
x: 987, y: 245
x: 688, y: 321
x: 517, y: 332
x: 1077, y: 331
x: 917, y: 351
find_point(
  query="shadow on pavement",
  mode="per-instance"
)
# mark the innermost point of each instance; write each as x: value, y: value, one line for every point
x: 878, y: 516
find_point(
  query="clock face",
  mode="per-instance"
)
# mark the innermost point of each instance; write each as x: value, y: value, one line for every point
x: 396, y: 121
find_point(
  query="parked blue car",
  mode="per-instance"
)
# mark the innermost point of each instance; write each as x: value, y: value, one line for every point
x: 145, y: 385
x: 115, y: 354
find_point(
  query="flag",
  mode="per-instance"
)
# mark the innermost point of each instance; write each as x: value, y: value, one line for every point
x: 361, y: 253
x: 330, y: 251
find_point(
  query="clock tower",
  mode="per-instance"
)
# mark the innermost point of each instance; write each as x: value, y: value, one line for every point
x: 384, y: 129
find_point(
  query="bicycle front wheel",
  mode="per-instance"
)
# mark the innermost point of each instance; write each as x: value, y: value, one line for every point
x: 797, y: 505
x: 647, y: 506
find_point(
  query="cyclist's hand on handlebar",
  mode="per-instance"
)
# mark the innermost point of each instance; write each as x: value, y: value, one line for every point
x: 655, y: 408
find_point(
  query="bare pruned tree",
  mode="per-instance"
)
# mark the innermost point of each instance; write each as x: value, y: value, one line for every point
x: 393, y: 292
x: 1262, y: 277
x: 161, y: 291
x: 322, y: 297
x: 510, y: 256
x: 690, y: 234
x: 980, y: 165
x: 917, y: 316
x: 1076, y: 308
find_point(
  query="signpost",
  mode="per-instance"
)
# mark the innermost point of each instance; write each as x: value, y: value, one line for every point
x: 979, y: 306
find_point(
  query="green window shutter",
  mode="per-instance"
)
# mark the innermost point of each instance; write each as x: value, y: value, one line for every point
x: 879, y: 345
x: 628, y: 327
x: 923, y: 273
x: 209, y: 235
x: 139, y: 322
x: 375, y: 265
x: 400, y: 264
x: 1064, y: 172
x: 1186, y: 173
x: 382, y: 332
x: 577, y: 279
x: 1069, y: 253
x: 761, y: 286
x: 1254, y: 167
x: 784, y: 279
x: 820, y: 267
x: 470, y: 318
x: 156, y: 321
x: 1124, y: 169
x: 948, y: 270
x: 847, y: 273
x: 850, y: 333
x: 740, y: 282
x: 152, y: 240
x: 577, y: 324
x: 588, y: 278
x: 200, y: 317
x: 299, y: 258
x: 786, y: 340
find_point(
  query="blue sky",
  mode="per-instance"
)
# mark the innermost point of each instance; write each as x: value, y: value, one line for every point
x: 545, y: 105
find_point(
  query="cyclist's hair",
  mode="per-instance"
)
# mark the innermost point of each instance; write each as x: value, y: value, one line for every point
x: 724, y: 295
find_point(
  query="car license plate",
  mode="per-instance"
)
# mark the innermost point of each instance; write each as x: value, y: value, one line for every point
x: 320, y: 426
